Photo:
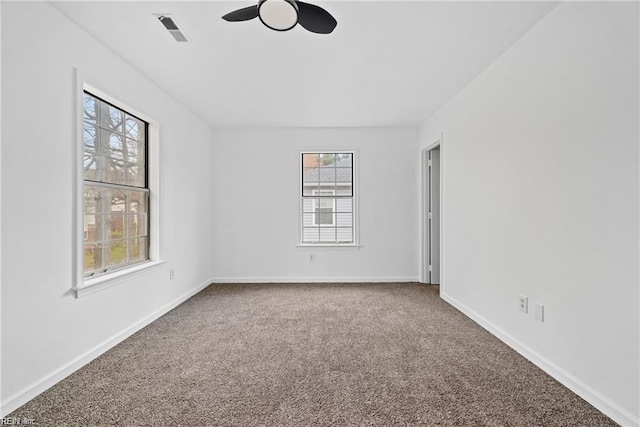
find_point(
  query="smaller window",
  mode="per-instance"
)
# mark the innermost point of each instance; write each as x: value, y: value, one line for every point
x: 327, y: 198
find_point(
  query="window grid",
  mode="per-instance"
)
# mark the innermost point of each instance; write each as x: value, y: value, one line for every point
x: 115, y: 193
x: 327, y: 198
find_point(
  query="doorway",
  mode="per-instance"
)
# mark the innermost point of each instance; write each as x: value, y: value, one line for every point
x: 431, y: 171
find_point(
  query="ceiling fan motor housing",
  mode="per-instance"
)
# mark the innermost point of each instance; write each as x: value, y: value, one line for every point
x: 279, y: 15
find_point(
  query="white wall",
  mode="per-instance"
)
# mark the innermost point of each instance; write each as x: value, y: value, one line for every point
x: 540, y: 159
x: 256, y: 174
x: 46, y: 332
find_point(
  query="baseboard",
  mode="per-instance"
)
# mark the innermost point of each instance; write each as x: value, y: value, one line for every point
x: 31, y: 391
x: 600, y: 402
x: 315, y: 279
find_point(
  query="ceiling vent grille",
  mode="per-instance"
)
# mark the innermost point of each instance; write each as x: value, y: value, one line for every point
x: 170, y: 24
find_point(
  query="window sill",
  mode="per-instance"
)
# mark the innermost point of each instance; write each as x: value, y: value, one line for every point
x: 91, y: 286
x: 329, y: 245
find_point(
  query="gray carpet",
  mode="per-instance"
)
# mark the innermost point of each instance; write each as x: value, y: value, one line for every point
x: 311, y: 355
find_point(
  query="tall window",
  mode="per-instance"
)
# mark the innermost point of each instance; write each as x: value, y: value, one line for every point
x: 116, y: 193
x: 327, y: 198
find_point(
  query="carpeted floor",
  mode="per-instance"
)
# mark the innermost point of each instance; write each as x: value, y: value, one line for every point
x: 311, y: 355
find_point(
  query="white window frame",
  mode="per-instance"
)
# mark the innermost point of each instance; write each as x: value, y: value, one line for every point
x: 84, y: 286
x: 355, y: 219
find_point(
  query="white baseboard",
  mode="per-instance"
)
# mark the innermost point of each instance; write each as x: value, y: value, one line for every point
x: 600, y: 402
x: 315, y: 279
x: 26, y: 394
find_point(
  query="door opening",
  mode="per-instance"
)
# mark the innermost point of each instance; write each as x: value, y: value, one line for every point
x: 431, y: 216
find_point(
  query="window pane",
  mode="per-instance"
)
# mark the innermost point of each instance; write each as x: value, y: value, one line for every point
x: 308, y: 219
x: 345, y: 160
x: 90, y: 163
x: 327, y: 234
x: 344, y: 174
x: 344, y: 190
x: 116, y: 223
x: 326, y: 159
x: 138, y: 201
x: 311, y: 235
x: 138, y: 249
x: 307, y: 205
x: 137, y: 224
x: 344, y: 219
x: 327, y: 176
x: 134, y: 128
x: 117, y: 200
x: 344, y: 205
x: 324, y: 216
x: 325, y: 203
x: 115, y: 216
x: 310, y: 189
x: 92, y: 258
x: 89, y: 227
x: 345, y: 234
x: 310, y: 175
x: 94, y: 198
x: 114, y: 172
x: 111, y: 118
x: 117, y: 253
x: 135, y: 152
x: 135, y: 175
x: 115, y: 145
x: 310, y: 178
x: 310, y: 161
x: 91, y: 108
x: 101, y: 167
x: 101, y: 229
x: 90, y: 138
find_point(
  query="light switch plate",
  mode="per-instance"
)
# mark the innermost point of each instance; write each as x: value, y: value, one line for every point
x: 538, y: 312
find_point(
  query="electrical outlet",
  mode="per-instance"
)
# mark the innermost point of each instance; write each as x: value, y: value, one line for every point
x: 312, y: 257
x: 538, y: 311
x: 523, y: 303
x: 172, y: 274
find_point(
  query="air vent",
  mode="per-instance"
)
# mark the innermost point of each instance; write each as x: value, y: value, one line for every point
x: 170, y: 24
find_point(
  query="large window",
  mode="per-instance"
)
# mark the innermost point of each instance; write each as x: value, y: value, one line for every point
x: 327, y: 198
x: 116, y: 193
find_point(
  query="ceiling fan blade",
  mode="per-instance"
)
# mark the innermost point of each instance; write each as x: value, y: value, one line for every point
x: 315, y: 18
x: 244, y: 14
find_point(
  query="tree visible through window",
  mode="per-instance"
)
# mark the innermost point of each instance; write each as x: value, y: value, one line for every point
x: 116, y: 194
x: 327, y: 198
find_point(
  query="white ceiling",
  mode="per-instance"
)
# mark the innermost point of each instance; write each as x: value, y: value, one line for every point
x: 387, y: 63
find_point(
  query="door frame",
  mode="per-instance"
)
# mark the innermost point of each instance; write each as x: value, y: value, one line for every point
x: 424, y: 208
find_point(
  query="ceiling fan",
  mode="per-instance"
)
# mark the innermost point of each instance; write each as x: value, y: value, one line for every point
x: 283, y: 15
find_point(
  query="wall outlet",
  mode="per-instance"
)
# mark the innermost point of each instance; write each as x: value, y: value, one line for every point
x: 523, y: 303
x: 172, y: 274
x: 538, y: 311
x: 312, y: 257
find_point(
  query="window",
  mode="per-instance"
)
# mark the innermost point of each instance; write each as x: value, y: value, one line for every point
x: 115, y: 189
x: 327, y: 198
